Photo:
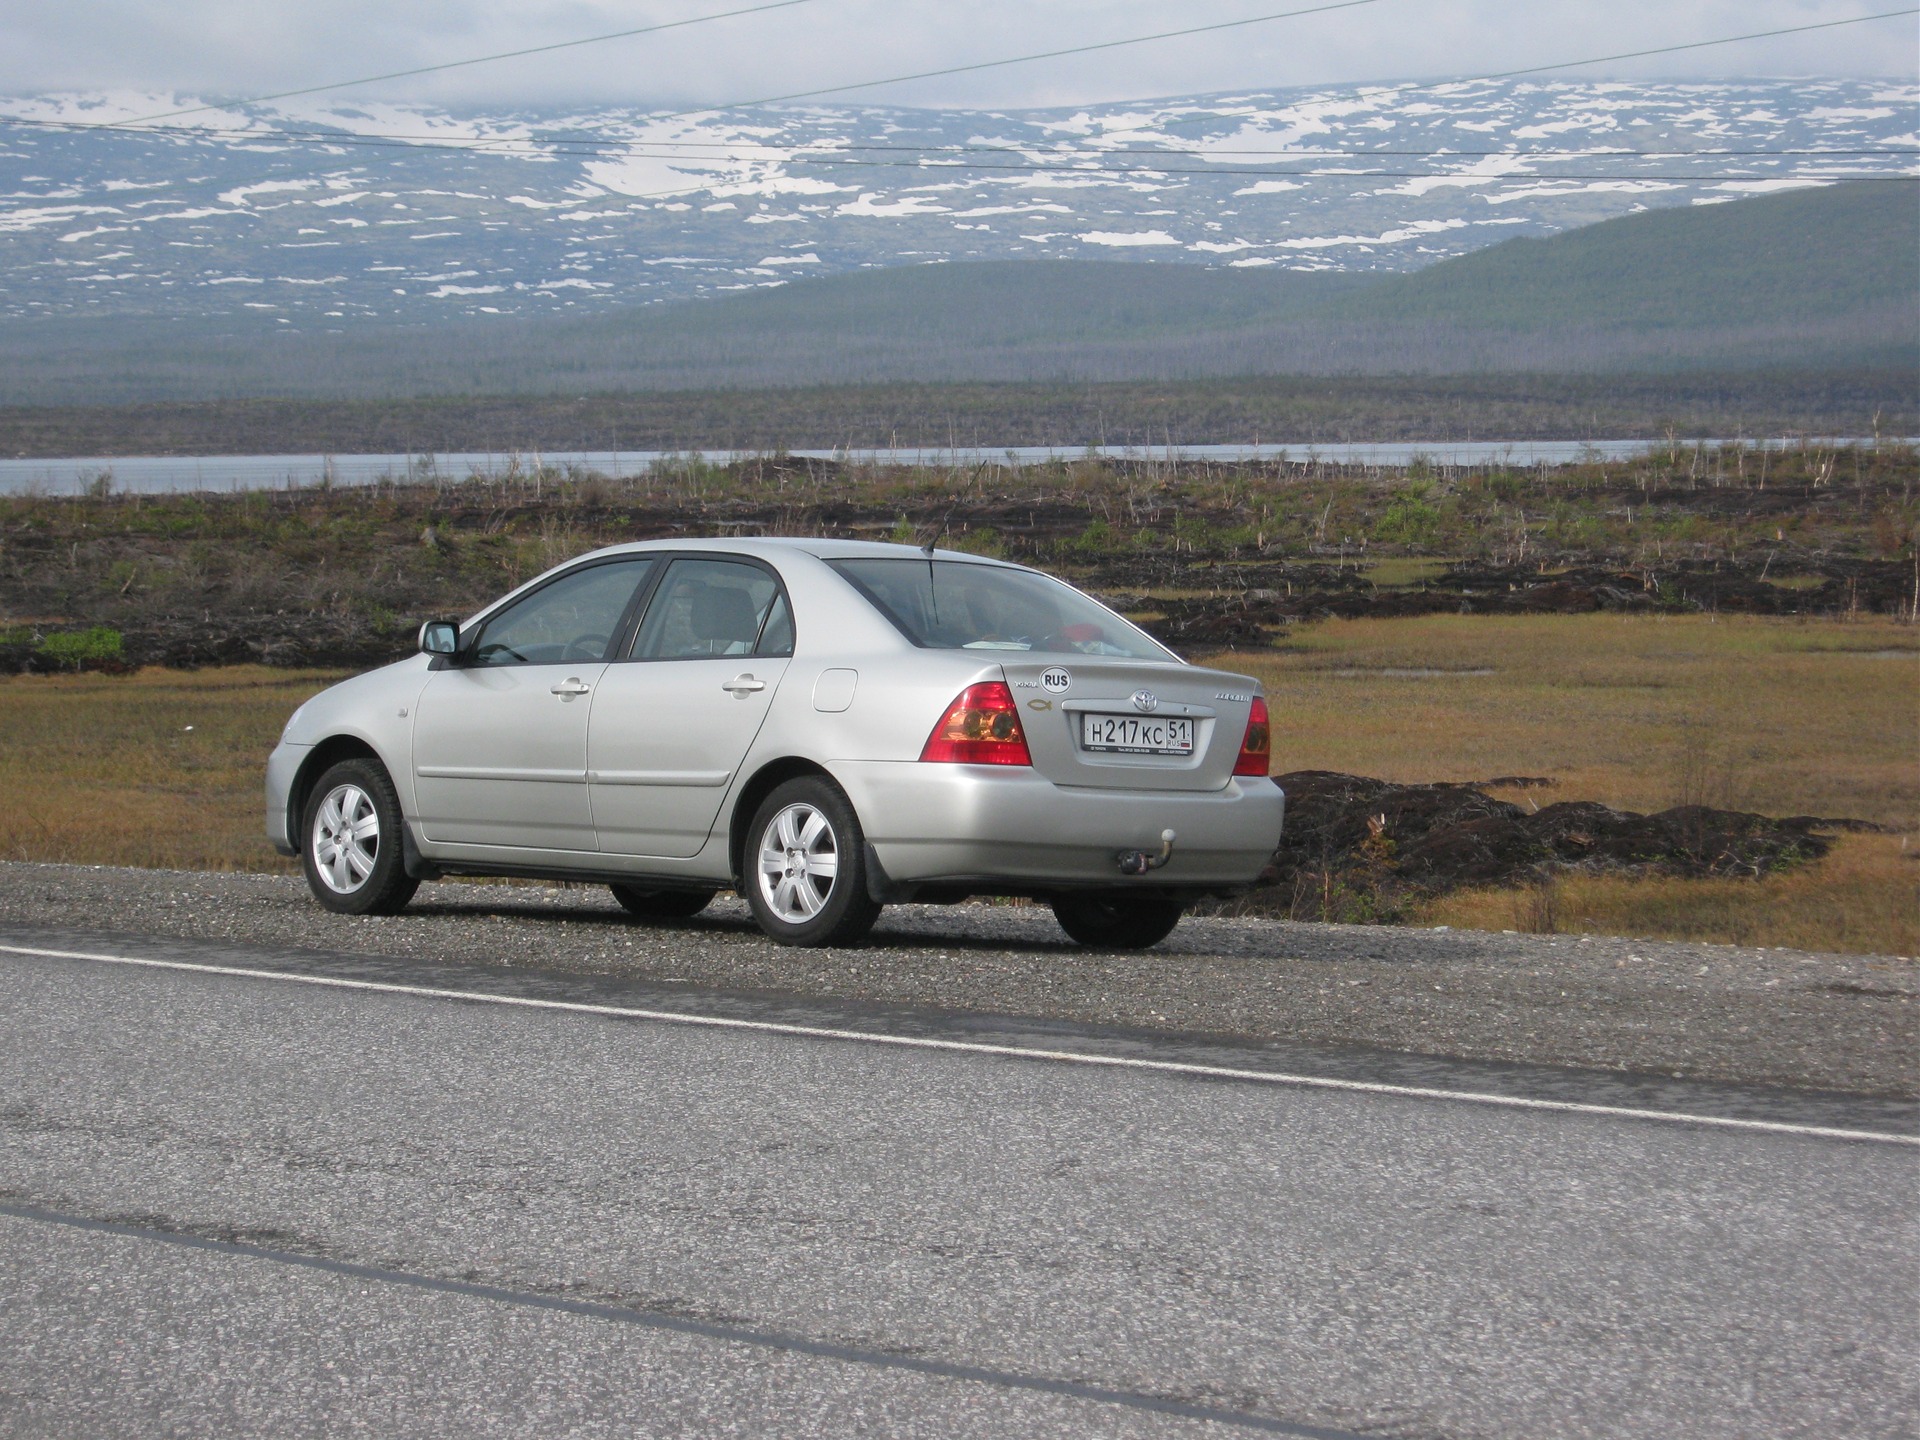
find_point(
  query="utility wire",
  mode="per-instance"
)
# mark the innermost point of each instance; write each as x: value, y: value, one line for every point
x: 458, y: 64
x: 1663, y: 50
x: 1416, y: 86
x: 741, y: 104
x: 1020, y: 59
x: 553, y: 146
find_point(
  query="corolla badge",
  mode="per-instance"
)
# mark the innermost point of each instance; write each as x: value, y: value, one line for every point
x: 1057, y: 680
x: 1145, y: 701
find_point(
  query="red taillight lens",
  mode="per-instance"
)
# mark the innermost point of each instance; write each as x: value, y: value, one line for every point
x: 982, y: 727
x: 1256, y: 751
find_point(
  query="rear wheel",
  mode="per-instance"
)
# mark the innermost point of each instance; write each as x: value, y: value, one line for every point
x: 662, y: 904
x: 1117, y: 921
x: 351, y: 853
x: 806, y: 880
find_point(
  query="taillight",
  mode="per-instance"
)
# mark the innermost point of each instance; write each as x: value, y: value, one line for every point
x: 982, y: 727
x: 1256, y: 751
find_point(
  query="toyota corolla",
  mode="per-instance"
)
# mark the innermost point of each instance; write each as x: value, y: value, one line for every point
x: 822, y: 726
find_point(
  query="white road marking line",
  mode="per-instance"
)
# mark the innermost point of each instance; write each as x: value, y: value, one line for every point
x: 973, y: 1047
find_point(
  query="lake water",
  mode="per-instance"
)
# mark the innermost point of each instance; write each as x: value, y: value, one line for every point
x: 158, y: 474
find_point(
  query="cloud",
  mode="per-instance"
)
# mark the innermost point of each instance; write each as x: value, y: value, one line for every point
x: 237, y: 48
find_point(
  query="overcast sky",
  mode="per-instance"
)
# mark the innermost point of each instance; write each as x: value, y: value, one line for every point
x: 226, y: 49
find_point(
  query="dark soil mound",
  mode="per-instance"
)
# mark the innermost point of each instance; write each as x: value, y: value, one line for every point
x: 1359, y: 848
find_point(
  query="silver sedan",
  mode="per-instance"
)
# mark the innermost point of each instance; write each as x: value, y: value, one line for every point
x: 823, y: 726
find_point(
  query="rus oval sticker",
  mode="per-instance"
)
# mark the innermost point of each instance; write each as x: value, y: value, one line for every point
x: 1056, y: 680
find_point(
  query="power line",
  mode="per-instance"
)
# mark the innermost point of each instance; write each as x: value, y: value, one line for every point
x: 1021, y: 59
x: 143, y: 121
x: 1262, y: 19
x: 559, y: 146
x: 765, y: 100
x: 476, y: 60
x: 1665, y: 49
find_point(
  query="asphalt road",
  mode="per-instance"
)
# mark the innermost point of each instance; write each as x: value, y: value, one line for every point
x: 1739, y: 1015
x: 245, y: 1205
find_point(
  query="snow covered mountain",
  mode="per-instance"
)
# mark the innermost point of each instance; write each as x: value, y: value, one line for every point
x: 399, y: 213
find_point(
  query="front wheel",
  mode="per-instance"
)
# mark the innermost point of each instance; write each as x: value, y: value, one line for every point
x: 1117, y: 921
x: 806, y: 880
x: 352, y: 849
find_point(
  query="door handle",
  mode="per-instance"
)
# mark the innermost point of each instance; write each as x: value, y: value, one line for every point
x: 742, y: 686
x: 571, y: 686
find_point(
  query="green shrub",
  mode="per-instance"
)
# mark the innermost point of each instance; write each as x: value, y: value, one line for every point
x: 1410, y: 520
x: 77, y: 649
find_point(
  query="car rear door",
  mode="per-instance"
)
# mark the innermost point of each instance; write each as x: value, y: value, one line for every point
x: 673, y: 721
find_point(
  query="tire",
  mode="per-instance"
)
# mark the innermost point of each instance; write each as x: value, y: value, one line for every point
x: 806, y: 875
x: 662, y: 904
x: 1113, y: 921
x: 351, y: 848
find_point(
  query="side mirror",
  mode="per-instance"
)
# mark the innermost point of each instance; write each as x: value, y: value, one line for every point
x: 439, y: 637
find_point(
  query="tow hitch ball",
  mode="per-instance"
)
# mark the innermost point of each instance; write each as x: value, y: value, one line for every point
x: 1138, y: 862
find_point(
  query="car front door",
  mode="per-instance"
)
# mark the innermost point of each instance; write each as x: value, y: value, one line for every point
x: 672, y: 723
x: 500, y: 734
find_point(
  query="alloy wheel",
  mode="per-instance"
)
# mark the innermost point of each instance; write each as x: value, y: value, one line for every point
x: 346, y: 838
x: 799, y: 861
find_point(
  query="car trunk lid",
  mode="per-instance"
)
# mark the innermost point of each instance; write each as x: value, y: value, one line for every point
x: 1131, y: 725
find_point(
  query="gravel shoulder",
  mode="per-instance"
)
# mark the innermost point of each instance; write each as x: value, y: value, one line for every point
x: 1848, y: 1023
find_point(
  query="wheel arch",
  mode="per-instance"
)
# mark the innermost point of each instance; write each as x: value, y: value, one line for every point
x: 765, y: 781
x: 325, y: 756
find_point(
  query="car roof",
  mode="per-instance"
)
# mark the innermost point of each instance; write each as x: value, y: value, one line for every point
x: 821, y: 547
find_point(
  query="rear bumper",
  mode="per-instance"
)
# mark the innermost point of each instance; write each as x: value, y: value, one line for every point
x: 969, y: 824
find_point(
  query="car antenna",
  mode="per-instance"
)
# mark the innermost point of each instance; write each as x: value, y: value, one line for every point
x: 933, y: 591
x: 926, y: 548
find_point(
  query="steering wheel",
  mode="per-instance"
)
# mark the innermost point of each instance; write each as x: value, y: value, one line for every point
x: 587, y: 647
x: 486, y: 653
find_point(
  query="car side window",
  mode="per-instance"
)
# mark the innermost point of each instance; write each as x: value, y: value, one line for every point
x: 571, y: 621
x: 776, y: 636
x: 705, y: 608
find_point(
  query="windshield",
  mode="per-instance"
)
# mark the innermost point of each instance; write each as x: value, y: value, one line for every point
x: 953, y: 605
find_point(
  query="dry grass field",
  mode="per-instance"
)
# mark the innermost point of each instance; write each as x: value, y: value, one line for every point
x: 1784, y: 717
x: 160, y: 769
x: 1787, y: 717
x: 163, y: 768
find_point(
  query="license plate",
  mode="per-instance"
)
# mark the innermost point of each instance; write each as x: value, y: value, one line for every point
x: 1137, y: 734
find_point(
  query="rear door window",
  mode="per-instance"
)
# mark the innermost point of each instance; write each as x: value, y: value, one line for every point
x: 706, y: 608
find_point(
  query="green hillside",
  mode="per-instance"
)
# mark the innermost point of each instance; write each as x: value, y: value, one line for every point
x: 1815, y: 280
x: 1814, y: 256
x: 996, y: 302
x: 1807, y: 256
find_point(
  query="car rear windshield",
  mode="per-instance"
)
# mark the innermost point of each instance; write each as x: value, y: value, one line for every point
x: 955, y: 605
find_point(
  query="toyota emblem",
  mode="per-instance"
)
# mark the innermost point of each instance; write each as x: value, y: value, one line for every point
x: 1145, y: 701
